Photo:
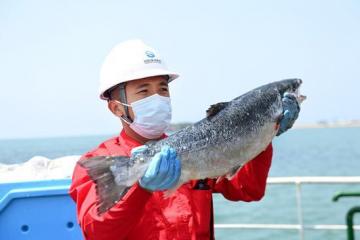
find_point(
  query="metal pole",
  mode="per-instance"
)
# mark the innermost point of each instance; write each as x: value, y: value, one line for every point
x: 350, y: 213
x: 350, y: 222
x: 345, y: 194
x: 299, y: 210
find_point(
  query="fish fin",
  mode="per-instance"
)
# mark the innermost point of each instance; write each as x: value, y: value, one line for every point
x: 215, y: 108
x: 279, y: 118
x: 107, y: 190
x: 277, y: 124
x: 219, y: 179
x: 233, y: 171
x: 277, y: 127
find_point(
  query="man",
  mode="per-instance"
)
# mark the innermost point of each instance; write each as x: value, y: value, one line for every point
x: 134, y: 81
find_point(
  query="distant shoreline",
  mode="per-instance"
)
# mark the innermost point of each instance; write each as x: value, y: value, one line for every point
x: 352, y: 124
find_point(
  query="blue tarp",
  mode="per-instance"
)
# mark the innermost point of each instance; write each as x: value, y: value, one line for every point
x: 37, y: 210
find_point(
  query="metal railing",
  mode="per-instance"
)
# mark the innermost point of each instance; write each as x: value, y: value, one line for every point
x: 298, y: 182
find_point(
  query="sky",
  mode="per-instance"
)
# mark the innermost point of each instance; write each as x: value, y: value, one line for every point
x: 51, y: 53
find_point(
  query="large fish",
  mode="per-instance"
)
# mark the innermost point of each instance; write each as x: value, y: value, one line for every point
x: 232, y: 134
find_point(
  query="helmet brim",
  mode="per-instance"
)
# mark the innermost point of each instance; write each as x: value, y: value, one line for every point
x: 141, y: 75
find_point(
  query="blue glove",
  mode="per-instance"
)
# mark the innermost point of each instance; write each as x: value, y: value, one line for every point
x: 163, y: 172
x: 291, y: 111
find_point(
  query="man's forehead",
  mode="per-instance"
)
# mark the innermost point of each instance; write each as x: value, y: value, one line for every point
x: 163, y: 80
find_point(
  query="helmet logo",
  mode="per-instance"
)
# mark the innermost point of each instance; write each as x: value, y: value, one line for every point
x: 151, y: 58
x: 150, y: 54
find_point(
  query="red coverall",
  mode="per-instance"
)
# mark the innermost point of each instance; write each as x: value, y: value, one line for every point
x: 186, y: 214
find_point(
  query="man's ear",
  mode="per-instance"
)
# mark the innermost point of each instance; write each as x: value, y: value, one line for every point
x: 116, y: 108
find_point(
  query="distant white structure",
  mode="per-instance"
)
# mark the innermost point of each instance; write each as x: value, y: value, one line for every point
x: 38, y: 168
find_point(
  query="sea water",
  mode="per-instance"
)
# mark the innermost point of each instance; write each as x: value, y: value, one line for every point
x: 299, y: 152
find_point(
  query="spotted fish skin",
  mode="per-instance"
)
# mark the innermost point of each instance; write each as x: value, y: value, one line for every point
x: 232, y: 134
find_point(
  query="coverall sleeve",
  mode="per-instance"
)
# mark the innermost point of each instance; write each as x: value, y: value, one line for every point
x: 249, y: 183
x: 118, y: 221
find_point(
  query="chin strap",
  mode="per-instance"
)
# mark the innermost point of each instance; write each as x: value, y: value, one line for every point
x: 123, y: 100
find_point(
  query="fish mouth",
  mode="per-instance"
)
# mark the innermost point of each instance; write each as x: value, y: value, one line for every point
x: 292, y: 86
x: 300, y: 98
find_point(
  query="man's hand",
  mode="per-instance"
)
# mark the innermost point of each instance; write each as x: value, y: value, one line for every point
x: 290, y: 114
x: 164, y: 169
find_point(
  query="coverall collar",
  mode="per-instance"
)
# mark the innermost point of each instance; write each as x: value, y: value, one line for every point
x: 129, y: 142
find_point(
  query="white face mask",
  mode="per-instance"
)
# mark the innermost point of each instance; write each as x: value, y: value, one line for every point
x: 152, y: 116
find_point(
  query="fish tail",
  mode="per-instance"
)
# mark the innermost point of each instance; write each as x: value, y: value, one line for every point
x: 111, y: 177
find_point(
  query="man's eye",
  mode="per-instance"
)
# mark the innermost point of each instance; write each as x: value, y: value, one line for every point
x: 143, y: 91
x: 164, y: 89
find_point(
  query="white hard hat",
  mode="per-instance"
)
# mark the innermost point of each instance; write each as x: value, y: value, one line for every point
x: 128, y: 61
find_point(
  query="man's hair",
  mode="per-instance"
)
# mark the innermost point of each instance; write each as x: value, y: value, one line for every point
x: 109, y: 94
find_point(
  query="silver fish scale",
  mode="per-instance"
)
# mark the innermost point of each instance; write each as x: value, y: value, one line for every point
x: 236, y: 134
